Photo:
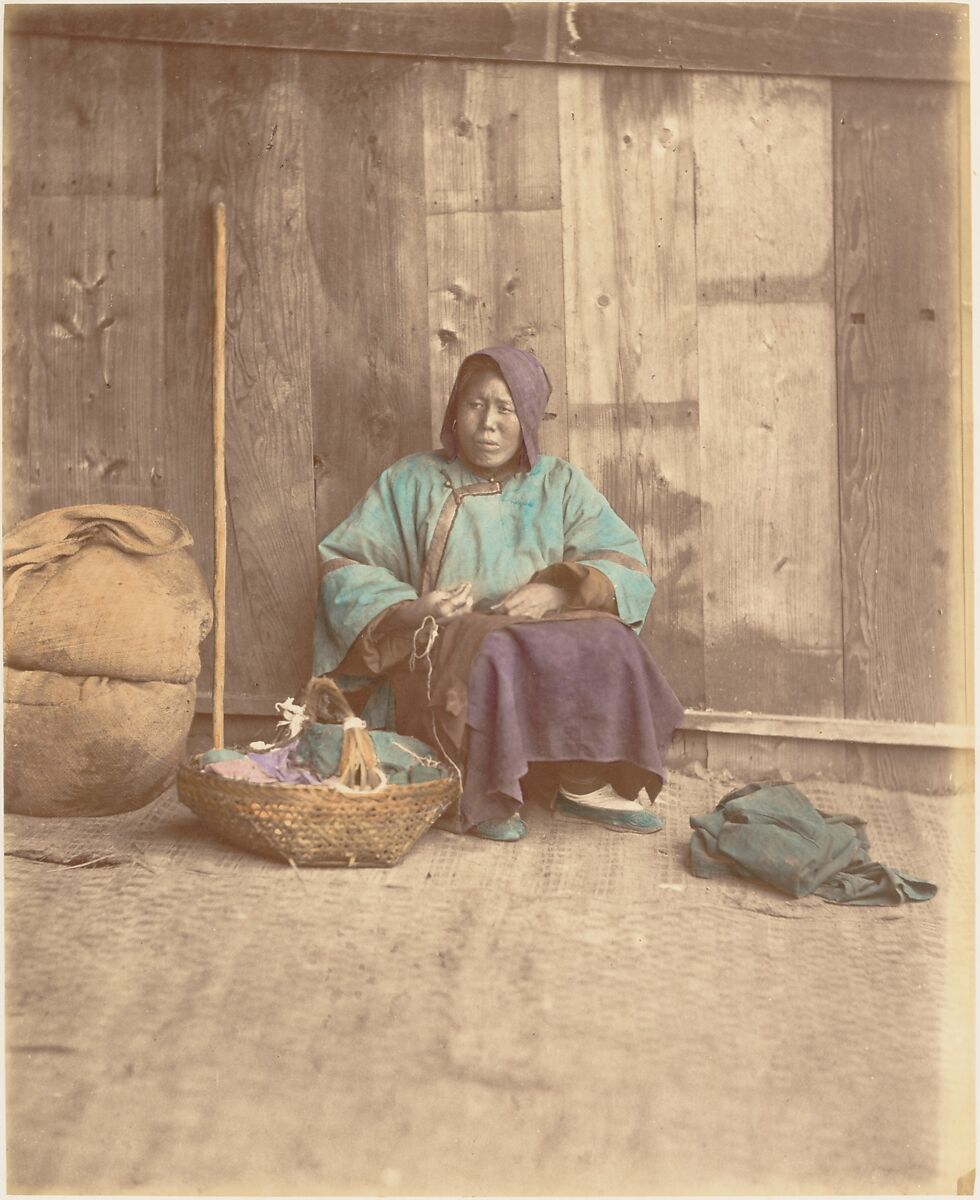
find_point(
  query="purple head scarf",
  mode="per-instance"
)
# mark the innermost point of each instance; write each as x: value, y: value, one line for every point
x: 529, y: 387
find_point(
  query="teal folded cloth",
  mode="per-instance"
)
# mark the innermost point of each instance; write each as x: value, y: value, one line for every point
x: 403, y: 759
x: 222, y: 754
x: 771, y: 832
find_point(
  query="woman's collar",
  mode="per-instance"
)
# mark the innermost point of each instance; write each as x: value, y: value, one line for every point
x: 520, y: 472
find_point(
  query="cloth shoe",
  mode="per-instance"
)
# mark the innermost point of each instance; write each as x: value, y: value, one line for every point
x: 511, y: 830
x: 606, y: 807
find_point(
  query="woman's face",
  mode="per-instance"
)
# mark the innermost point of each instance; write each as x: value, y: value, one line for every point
x: 488, y: 430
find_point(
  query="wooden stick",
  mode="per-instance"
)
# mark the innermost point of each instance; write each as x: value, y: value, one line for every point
x: 220, y: 500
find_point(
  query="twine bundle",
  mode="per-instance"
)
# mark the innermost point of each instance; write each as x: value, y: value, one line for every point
x: 359, y: 769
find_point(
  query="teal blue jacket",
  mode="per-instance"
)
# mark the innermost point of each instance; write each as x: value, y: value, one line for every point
x: 428, y: 522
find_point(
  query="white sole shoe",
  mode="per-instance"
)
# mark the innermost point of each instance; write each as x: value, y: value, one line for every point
x: 605, y: 797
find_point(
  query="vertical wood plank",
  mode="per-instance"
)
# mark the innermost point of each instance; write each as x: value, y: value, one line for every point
x: 631, y: 331
x: 494, y: 226
x: 966, y: 385
x: 366, y: 217
x: 767, y: 396
x: 95, y: 323
x: 495, y: 279
x: 96, y: 354
x: 189, y: 186
x: 900, y: 404
x: 96, y: 118
x: 17, y: 274
x: 86, y: 226
x: 234, y: 130
x: 486, y: 127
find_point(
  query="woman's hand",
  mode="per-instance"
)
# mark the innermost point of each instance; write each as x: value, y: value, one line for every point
x: 532, y: 600
x: 442, y: 604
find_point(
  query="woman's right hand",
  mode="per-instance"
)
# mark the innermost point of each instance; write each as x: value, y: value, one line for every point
x: 442, y: 604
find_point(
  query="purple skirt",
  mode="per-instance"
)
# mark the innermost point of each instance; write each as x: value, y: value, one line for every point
x: 546, y: 692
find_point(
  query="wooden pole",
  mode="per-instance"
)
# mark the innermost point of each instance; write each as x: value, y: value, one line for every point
x: 220, y: 500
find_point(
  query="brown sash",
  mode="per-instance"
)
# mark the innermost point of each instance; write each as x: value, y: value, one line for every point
x: 440, y: 537
x: 334, y: 564
x: 624, y: 560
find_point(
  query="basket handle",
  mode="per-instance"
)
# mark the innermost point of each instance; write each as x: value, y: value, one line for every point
x: 359, y: 769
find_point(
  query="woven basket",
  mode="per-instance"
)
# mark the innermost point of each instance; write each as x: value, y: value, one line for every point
x: 315, y: 825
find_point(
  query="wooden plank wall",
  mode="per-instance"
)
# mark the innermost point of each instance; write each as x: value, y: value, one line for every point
x: 234, y: 131
x: 627, y: 150
x: 749, y: 307
x: 493, y: 205
x: 365, y: 215
x: 88, y: 235
x: 901, y: 435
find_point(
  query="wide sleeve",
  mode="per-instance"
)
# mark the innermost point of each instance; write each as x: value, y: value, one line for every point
x: 367, y: 564
x: 598, y: 537
x: 380, y: 646
x: 584, y: 586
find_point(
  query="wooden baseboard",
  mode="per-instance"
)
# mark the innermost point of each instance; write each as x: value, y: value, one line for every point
x: 240, y: 706
x: 769, y: 725
x: 833, y: 729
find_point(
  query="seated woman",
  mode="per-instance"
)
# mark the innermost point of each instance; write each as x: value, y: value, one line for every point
x: 486, y: 599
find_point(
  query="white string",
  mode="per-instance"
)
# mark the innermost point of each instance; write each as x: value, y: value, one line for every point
x: 431, y: 634
x: 425, y: 759
x: 354, y: 723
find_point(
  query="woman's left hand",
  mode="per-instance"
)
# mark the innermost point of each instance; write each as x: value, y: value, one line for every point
x: 532, y: 600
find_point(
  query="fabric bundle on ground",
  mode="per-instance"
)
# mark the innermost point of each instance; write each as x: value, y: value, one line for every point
x: 90, y: 746
x: 104, y: 590
x: 771, y: 832
x: 104, y: 610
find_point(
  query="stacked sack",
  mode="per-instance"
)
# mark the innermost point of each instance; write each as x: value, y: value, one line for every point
x: 104, y: 613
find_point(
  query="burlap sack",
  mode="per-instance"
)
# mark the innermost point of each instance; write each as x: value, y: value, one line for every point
x: 90, y: 746
x: 104, y: 590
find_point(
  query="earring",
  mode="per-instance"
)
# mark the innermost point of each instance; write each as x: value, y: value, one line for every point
x: 454, y: 424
